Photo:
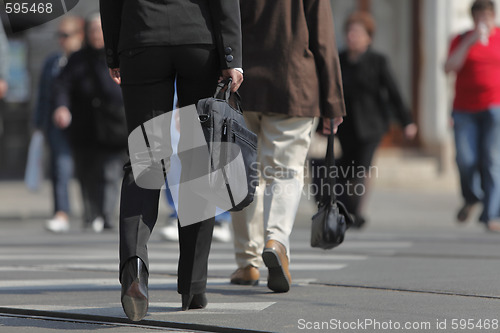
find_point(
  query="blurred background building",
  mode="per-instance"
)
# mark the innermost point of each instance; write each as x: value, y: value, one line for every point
x: 414, y: 34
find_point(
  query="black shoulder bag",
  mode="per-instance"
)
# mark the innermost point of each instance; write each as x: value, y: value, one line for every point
x: 332, y: 220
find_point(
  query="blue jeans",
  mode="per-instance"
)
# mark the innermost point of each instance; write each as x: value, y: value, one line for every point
x: 61, y: 168
x: 477, y: 140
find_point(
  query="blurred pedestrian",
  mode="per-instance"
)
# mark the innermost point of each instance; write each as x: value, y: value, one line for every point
x: 149, y: 44
x: 370, y: 93
x: 4, y: 71
x: 90, y: 106
x: 4, y: 62
x: 292, y: 77
x: 475, y: 58
x: 70, y: 36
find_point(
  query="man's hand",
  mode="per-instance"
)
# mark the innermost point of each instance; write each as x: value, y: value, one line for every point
x: 233, y: 74
x: 457, y: 58
x: 115, y: 75
x: 336, y: 122
x: 62, y: 117
x: 3, y: 88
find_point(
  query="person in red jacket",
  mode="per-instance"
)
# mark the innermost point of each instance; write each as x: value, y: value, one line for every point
x: 475, y: 58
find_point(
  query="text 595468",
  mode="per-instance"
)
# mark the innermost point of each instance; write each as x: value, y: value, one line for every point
x: 28, y: 8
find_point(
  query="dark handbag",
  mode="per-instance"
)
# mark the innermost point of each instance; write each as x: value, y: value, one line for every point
x: 332, y: 220
x: 232, y: 146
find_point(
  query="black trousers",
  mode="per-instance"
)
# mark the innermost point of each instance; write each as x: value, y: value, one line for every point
x: 99, y: 173
x: 148, y: 76
x: 354, y: 166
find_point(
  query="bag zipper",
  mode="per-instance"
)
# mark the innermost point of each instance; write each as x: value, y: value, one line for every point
x: 245, y: 140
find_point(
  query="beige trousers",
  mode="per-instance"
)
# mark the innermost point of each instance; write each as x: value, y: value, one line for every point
x: 283, y: 145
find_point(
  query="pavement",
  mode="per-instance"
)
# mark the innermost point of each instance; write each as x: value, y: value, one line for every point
x: 413, y: 268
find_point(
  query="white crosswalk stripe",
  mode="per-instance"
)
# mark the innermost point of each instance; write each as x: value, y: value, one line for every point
x: 164, y: 260
x: 115, y: 309
x: 33, y: 272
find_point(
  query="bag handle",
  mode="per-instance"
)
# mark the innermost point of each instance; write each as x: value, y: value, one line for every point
x: 232, y: 98
x: 221, y: 85
x: 331, y: 198
x: 330, y: 164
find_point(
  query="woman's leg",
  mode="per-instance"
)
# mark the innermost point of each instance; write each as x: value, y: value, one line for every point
x: 148, y: 89
x: 350, y: 155
x: 85, y: 162
x: 112, y: 174
x: 196, y: 79
x: 354, y: 172
x: 362, y: 176
x: 61, y: 169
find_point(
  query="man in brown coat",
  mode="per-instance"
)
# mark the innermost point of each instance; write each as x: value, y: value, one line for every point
x: 292, y: 77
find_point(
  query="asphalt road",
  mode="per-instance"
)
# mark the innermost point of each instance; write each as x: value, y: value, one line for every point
x: 411, y: 269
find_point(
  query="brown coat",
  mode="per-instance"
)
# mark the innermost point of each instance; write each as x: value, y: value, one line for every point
x: 290, y: 58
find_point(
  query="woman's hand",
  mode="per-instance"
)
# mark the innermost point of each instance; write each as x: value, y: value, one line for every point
x: 233, y: 74
x: 410, y: 131
x: 115, y: 75
x: 336, y: 122
x: 3, y: 88
x: 62, y: 117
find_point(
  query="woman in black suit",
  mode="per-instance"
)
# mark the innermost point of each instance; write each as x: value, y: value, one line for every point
x: 148, y: 45
x: 369, y: 91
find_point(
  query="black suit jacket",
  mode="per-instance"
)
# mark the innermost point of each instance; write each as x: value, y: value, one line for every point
x: 370, y: 94
x: 130, y: 24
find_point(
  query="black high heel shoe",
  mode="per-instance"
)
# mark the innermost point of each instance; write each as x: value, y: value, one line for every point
x: 134, y: 281
x: 197, y: 301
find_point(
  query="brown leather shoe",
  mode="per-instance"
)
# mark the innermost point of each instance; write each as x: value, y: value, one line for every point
x: 247, y: 276
x: 276, y: 260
